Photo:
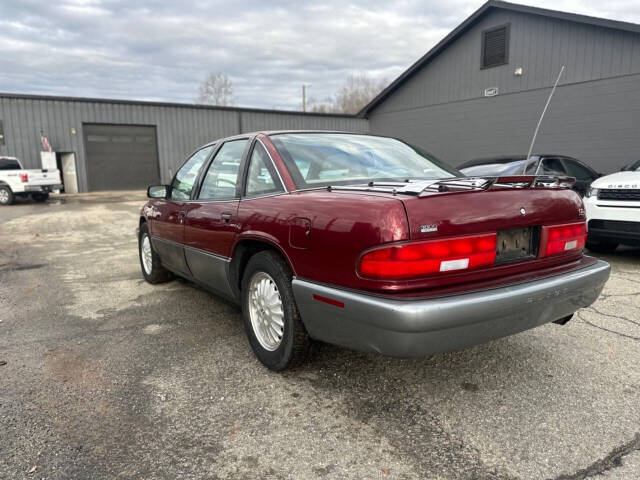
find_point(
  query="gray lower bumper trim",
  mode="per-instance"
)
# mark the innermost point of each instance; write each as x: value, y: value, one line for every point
x: 42, y: 188
x: 423, y: 327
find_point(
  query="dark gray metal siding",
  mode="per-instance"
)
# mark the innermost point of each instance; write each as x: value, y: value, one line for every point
x: 538, y: 44
x: 597, y: 122
x: 180, y: 129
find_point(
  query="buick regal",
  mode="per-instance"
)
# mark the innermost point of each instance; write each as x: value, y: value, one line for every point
x: 369, y: 243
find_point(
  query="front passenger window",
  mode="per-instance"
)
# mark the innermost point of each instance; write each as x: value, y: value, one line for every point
x: 182, y: 184
x: 222, y: 178
x: 552, y: 166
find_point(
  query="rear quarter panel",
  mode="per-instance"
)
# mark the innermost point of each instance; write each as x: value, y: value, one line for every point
x: 342, y: 225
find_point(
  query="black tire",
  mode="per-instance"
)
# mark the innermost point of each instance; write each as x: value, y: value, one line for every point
x: 6, y: 195
x: 295, y: 342
x: 602, y: 246
x: 158, y: 273
x: 40, y: 196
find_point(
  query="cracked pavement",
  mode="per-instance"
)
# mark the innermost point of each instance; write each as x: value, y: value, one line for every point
x: 107, y: 376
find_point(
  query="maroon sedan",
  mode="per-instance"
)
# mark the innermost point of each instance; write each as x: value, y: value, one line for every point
x: 369, y: 243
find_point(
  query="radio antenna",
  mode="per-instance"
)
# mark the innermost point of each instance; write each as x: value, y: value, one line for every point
x: 544, y: 111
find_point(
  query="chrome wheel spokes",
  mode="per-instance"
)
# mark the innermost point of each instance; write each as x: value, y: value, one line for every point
x: 146, y: 254
x: 266, y: 311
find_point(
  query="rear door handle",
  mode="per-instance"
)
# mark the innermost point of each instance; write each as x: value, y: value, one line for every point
x: 226, y: 217
x: 181, y: 215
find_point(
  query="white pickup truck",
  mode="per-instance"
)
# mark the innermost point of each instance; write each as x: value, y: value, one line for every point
x: 15, y: 181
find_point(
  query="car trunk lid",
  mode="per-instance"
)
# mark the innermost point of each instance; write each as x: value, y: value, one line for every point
x: 492, y: 210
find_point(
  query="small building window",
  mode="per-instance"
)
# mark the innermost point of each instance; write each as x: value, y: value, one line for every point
x: 1, y: 134
x: 495, y: 47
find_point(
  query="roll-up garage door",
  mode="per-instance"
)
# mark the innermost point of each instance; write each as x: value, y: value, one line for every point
x: 121, y: 157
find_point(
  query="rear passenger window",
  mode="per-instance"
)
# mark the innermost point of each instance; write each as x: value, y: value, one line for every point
x: 578, y: 171
x: 182, y: 184
x: 262, y: 178
x: 222, y: 177
x: 9, y: 164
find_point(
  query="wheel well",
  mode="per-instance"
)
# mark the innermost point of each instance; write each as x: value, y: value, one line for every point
x: 241, y: 255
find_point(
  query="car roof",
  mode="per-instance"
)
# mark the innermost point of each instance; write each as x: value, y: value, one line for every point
x: 508, y: 158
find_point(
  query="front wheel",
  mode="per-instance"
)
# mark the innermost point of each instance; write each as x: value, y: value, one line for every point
x: 6, y: 195
x: 271, y: 318
x: 152, y: 269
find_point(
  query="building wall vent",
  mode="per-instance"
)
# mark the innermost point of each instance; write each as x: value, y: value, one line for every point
x: 495, y: 47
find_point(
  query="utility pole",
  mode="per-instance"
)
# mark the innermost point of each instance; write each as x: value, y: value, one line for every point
x: 304, y: 97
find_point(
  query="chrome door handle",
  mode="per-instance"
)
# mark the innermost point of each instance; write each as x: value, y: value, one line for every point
x: 226, y: 217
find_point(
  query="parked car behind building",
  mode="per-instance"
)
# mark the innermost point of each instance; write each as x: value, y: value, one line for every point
x: 537, y: 165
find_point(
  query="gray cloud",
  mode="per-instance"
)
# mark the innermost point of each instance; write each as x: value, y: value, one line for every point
x: 161, y: 50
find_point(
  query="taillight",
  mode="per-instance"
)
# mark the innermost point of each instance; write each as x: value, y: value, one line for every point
x: 558, y: 239
x: 417, y: 259
x: 24, y: 177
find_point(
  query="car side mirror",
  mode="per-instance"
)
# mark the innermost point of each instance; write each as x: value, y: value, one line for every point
x: 625, y: 168
x: 158, y: 191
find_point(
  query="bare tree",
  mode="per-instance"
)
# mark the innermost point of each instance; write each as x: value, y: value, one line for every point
x: 357, y: 91
x: 326, y: 106
x: 216, y: 89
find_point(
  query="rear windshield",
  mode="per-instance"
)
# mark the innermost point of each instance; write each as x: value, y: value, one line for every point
x: 9, y: 164
x: 322, y: 159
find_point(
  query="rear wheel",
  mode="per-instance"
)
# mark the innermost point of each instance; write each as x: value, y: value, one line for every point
x: 40, y: 196
x: 271, y: 318
x: 152, y: 269
x: 6, y: 195
x: 602, y: 247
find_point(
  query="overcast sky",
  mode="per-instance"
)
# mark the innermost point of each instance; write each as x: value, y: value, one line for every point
x: 162, y: 50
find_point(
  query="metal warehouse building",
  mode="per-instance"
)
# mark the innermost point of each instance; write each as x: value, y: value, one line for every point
x: 119, y: 145
x: 481, y: 90
x: 478, y: 93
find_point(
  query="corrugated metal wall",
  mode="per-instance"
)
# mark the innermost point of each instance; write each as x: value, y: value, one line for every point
x: 597, y: 122
x: 538, y: 44
x: 180, y: 128
x: 594, y: 115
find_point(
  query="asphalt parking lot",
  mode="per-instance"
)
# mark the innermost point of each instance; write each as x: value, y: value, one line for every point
x: 107, y: 376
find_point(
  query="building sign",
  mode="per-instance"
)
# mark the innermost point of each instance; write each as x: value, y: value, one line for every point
x: 491, y: 92
x: 1, y: 134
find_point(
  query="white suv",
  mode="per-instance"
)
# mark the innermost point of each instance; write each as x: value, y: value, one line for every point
x: 613, y: 210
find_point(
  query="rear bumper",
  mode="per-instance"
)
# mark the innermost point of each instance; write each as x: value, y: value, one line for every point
x: 414, y: 328
x: 42, y: 188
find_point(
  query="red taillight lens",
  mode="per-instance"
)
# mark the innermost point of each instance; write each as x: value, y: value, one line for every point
x: 24, y: 177
x: 558, y: 239
x: 412, y: 260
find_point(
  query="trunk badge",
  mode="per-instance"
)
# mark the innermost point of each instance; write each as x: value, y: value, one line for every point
x: 429, y: 228
x: 523, y: 211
